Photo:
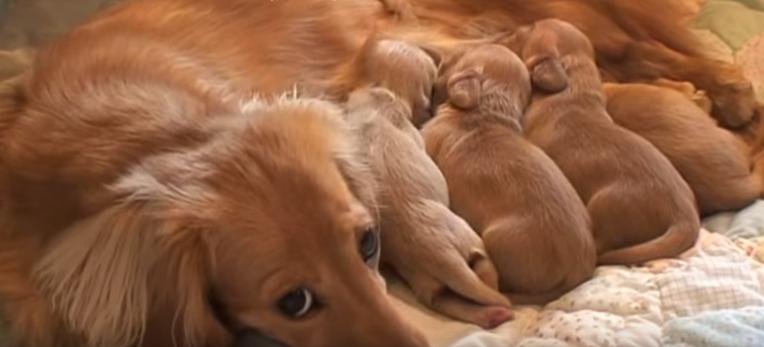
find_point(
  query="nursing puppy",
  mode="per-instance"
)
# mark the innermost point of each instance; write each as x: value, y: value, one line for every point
x: 640, y: 207
x: 533, y: 223
x: 435, y: 251
x: 714, y: 162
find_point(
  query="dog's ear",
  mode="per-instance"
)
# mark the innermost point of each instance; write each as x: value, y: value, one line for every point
x: 548, y: 74
x: 106, y: 273
x: 464, y: 89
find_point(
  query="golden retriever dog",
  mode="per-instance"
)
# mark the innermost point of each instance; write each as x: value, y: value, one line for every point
x: 434, y: 250
x: 263, y: 218
x: 149, y: 78
x: 641, y: 208
x: 533, y: 223
x: 714, y: 162
x: 147, y: 200
x: 632, y: 40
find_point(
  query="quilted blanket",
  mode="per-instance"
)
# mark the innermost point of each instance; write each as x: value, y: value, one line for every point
x: 713, y: 295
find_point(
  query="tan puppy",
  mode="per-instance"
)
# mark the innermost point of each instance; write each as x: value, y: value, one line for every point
x: 532, y: 221
x: 640, y: 207
x: 433, y: 249
x: 713, y: 161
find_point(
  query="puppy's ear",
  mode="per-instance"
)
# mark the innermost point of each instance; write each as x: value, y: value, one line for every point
x: 548, y: 74
x: 106, y: 272
x: 464, y: 89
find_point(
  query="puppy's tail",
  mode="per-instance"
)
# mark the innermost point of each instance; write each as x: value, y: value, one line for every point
x: 677, y: 239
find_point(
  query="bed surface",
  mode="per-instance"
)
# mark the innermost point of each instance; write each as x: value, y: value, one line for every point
x: 713, y: 295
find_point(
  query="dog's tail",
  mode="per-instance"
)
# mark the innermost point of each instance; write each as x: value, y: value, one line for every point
x: 677, y: 239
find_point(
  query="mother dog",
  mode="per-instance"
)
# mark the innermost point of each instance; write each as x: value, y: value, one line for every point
x: 148, y: 199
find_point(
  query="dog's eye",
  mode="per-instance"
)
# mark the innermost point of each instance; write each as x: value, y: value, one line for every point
x: 369, y: 245
x: 296, y: 303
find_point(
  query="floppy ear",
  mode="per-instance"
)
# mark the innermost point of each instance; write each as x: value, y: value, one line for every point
x: 548, y: 74
x: 464, y: 89
x: 107, y: 273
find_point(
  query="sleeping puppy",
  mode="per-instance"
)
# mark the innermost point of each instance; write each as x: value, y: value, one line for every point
x: 204, y: 224
x: 532, y: 221
x: 713, y: 161
x: 435, y: 251
x: 404, y: 68
x: 640, y: 207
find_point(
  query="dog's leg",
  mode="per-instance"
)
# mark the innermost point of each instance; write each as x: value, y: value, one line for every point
x: 731, y: 93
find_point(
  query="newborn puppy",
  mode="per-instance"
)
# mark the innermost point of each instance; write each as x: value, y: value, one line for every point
x: 713, y: 161
x: 435, y: 251
x: 405, y: 69
x: 532, y: 221
x: 640, y: 207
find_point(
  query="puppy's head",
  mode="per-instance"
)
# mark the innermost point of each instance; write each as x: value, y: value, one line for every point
x: 487, y: 76
x: 404, y: 68
x: 542, y: 44
x: 271, y: 226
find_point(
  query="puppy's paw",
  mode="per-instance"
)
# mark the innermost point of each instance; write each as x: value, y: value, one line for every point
x: 493, y: 316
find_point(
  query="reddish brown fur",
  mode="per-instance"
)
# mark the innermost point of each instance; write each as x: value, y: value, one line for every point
x: 533, y: 223
x: 641, y: 209
x: 434, y: 250
x: 713, y: 161
x: 152, y: 77
x: 162, y: 166
x: 632, y: 41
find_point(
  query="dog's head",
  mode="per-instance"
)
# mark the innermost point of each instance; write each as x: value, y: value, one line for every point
x: 542, y: 44
x: 269, y: 226
x: 487, y: 76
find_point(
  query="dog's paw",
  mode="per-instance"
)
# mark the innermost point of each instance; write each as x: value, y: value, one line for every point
x: 734, y: 103
x: 493, y: 316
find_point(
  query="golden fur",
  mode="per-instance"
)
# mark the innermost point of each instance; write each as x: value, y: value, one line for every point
x: 434, y: 250
x: 532, y: 221
x: 713, y: 161
x: 104, y: 145
x: 640, y: 207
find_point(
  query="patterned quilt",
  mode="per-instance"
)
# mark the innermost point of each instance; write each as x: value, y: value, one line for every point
x: 713, y: 295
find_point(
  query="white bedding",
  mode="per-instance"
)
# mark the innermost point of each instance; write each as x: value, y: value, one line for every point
x: 713, y: 295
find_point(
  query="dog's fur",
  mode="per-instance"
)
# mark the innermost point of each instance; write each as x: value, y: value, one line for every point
x: 137, y: 190
x: 146, y: 77
x: 713, y: 161
x: 531, y: 219
x: 640, y: 207
x: 633, y: 41
x: 434, y: 250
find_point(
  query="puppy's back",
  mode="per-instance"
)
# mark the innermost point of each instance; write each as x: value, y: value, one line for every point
x: 712, y: 160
